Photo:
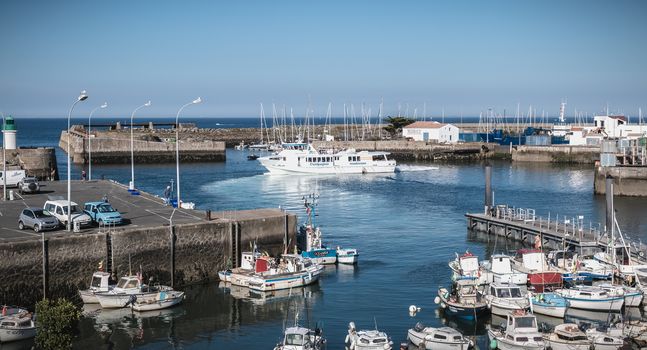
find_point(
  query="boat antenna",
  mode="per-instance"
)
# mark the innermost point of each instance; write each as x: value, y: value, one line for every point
x: 375, y: 322
x: 130, y: 268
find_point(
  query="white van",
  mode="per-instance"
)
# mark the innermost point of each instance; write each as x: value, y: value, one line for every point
x: 58, y: 208
x: 13, y: 177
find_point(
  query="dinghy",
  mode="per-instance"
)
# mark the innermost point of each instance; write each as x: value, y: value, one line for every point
x: 348, y: 256
x: 157, y: 301
x: 444, y: 338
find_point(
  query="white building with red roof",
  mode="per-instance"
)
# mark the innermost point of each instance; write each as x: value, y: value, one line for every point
x: 431, y: 132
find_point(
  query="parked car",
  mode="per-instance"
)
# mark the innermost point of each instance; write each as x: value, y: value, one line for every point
x: 102, y: 213
x: 28, y: 185
x: 37, y: 219
x: 58, y: 208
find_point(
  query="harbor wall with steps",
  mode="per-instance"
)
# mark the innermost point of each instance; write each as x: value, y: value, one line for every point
x: 39, y: 162
x: 416, y: 150
x: 200, y: 251
x: 627, y: 180
x: 114, y: 148
x: 556, y: 154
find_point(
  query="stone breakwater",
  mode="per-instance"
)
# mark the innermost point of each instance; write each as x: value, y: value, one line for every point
x: 556, y: 154
x: 201, y: 249
x: 627, y: 180
x: 39, y: 162
x: 113, y: 147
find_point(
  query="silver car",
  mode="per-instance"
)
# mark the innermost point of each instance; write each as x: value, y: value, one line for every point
x: 28, y: 185
x: 37, y: 219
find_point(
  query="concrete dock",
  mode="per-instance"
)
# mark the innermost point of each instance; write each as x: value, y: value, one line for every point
x: 191, y: 250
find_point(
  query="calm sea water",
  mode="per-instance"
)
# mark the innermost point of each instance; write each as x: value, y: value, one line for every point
x: 406, y: 226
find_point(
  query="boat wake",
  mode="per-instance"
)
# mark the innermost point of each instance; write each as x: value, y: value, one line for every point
x: 409, y: 168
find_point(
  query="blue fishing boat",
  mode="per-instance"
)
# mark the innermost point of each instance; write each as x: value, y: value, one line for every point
x: 309, y: 240
x: 464, y: 300
x: 549, y: 304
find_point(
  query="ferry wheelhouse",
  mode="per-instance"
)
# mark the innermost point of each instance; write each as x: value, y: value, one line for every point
x: 304, y: 158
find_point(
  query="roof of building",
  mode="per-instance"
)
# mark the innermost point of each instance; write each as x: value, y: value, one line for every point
x: 425, y: 125
x: 577, y: 128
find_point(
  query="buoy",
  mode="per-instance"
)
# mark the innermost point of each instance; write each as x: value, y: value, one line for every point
x: 4, y: 310
x: 493, y: 344
x: 437, y: 300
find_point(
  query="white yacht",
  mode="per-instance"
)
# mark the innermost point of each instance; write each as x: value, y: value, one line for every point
x: 367, y: 340
x: 304, y: 158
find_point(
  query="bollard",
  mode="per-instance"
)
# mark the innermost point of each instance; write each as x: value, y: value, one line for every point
x: 172, y: 239
x: 488, y: 188
x: 208, y: 213
x: 609, y: 197
x: 45, y: 267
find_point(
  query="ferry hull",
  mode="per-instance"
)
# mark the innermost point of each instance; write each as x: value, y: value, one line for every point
x: 333, y: 170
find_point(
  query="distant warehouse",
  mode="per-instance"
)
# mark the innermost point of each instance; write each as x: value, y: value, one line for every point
x: 431, y: 131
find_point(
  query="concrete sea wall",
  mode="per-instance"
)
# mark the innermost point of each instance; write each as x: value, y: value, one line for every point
x: 627, y: 180
x: 556, y: 154
x: 37, y: 161
x: 201, y: 250
x: 115, y: 149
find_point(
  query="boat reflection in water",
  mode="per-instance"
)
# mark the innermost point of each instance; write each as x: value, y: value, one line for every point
x: 310, y: 292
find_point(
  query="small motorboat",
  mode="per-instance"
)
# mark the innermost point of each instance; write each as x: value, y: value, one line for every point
x: 100, y: 282
x: 251, y: 262
x: 549, y: 304
x: 367, y: 340
x: 591, y: 298
x: 252, y: 157
x: 595, y: 269
x: 292, y: 271
x: 443, y: 338
x: 348, y: 256
x: 464, y: 300
x: 604, y: 339
x: 122, y: 294
x: 520, y: 332
x: 567, y: 336
x: 16, y: 324
x: 157, y: 301
x: 466, y: 266
x: 504, y: 298
x: 300, y: 338
x: 499, y: 269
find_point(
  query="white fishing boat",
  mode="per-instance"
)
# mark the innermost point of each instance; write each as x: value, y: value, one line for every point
x: 240, y: 275
x: 503, y: 298
x: 367, y: 339
x: 549, y: 304
x: 300, y: 338
x: 533, y: 263
x: 292, y: 271
x: 157, y: 301
x: 499, y: 269
x: 305, y: 159
x: 16, y: 324
x: 520, y: 332
x: 348, y: 256
x: 595, y: 269
x: 603, y: 339
x: 309, y: 239
x: 465, y: 300
x: 443, y: 338
x: 633, y: 296
x: 567, y: 337
x: 591, y: 298
x: 100, y: 282
x: 466, y: 266
x: 128, y: 289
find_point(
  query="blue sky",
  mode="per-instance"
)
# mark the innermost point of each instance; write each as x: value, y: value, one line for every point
x: 461, y: 55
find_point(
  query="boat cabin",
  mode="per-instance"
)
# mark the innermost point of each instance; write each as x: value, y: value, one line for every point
x: 467, y: 291
x: 569, y: 332
x: 501, y: 264
x: 586, y: 292
x: 248, y: 260
x: 443, y: 334
x: 563, y: 259
x: 128, y: 283
x: 298, y: 336
x: 504, y: 290
x: 372, y: 338
x: 16, y: 322
x: 468, y: 262
x: 100, y: 281
x: 521, y: 322
x: 532, y: 259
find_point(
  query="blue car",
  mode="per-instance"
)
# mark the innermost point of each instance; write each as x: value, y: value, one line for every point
x: 102, y: 213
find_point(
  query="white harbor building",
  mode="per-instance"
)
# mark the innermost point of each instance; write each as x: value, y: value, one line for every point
x: 431, y: 131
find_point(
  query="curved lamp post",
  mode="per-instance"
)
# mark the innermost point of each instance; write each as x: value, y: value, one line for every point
x: 177, y: 147
x: 131, y: 186
x: 82, y: 97
x: 104, y: 105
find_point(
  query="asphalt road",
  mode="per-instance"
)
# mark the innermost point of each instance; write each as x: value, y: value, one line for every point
x: 138, y: 211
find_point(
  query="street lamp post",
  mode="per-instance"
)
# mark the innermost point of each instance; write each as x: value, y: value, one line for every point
x: 131, y: 186
x: 104, y: 105
x: 4, y: 161
x: 177, y: 148
x: 82, y: 97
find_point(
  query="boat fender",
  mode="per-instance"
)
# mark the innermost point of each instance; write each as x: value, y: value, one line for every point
x: 4, y: 310
x: 493, y: 344
x: 437, y: 300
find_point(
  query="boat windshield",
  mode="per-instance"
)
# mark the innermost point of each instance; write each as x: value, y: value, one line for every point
x: 293, y: 339
x: 106, y: 208
x: 127, y: 283
x: 503, y: 293
x: 526, y: 322
x: 515, y: 292
x: 96, y: 281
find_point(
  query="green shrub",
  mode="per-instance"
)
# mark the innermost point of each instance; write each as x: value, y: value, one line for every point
x: 56, y: 323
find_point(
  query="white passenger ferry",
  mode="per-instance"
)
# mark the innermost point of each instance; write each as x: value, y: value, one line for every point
x: 304, y: 158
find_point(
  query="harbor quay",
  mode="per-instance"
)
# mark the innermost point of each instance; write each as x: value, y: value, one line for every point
x: 176, y: 247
